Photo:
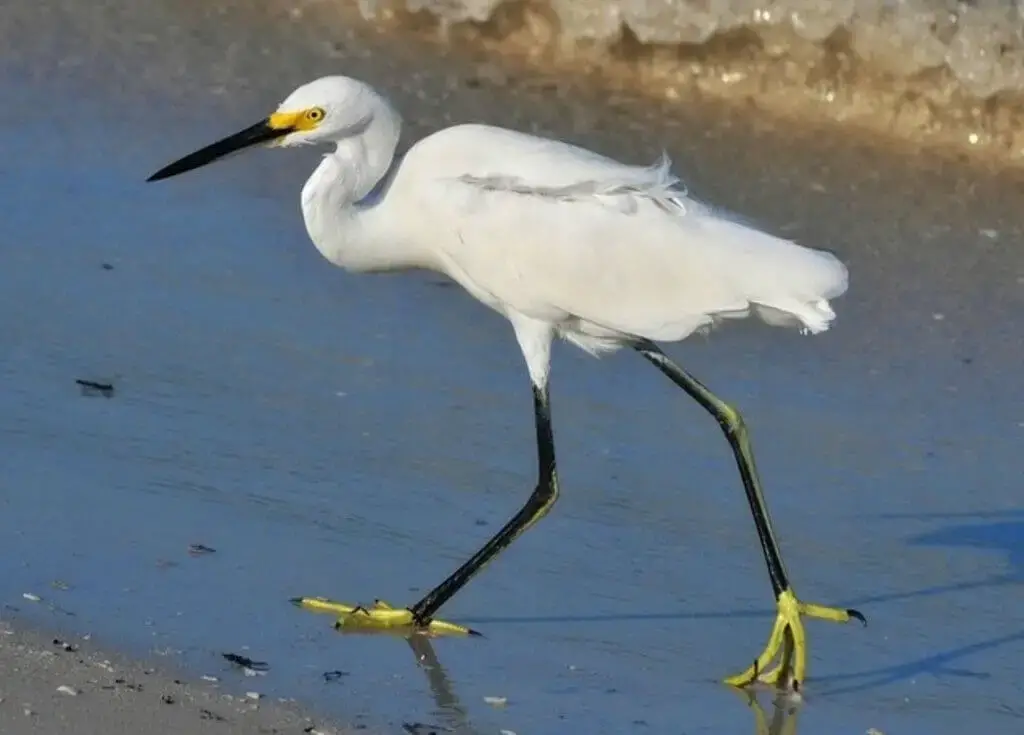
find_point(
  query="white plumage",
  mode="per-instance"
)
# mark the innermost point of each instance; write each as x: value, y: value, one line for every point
x: 557, y: 238
x: 562, y: 242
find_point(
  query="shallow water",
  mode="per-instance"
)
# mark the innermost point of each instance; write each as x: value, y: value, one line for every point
x: 359, y: 436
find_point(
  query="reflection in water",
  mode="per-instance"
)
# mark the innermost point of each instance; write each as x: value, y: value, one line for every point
x: 448, y: 705
x: 455, y: 718
x: 784, y: 714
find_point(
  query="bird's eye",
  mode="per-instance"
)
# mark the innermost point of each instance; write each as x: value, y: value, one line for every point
x: 315, y: 114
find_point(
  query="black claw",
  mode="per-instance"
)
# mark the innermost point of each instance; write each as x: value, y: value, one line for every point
x: 297, y: 601
x: 475, y: 633
x: 857, y: 615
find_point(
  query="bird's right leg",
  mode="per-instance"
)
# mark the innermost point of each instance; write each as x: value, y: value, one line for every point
x: 420, y: 616
x: 787, y: 640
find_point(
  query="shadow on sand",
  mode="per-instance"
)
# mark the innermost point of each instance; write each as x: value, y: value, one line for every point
x: 1004, y: 535
x: 1001, y: 532
x: 936, y: 664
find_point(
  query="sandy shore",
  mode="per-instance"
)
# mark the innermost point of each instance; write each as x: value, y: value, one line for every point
x: 67, y: 684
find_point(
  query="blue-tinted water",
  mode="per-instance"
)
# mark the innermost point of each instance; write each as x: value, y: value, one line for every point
x: 358, y: 437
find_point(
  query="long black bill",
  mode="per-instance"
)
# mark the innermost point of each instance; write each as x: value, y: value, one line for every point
x: 261, y: 132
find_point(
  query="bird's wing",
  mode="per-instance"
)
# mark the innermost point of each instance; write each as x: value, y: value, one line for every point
x: 619, y: 187
x: 500, y: 160
x: 560, y: 233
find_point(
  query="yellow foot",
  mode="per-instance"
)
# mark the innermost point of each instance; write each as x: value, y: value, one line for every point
x: 379, y: 618
x: 788, y: 641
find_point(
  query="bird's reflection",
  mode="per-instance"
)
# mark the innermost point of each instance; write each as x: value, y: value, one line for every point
x: 448, y: 705
x: 455, y: 719
x: 783, y: 718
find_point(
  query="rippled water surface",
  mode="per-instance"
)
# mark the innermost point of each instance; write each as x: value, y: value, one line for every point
x: 360, y: 436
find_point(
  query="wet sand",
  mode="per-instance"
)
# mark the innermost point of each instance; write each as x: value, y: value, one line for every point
x: 853, y: 78
x: 359, y: 436
x: 68, y: 684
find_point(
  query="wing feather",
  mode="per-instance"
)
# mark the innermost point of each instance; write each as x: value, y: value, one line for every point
x: 560, y: 233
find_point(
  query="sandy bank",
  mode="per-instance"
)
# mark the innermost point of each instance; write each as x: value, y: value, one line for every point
x: 854, y: 81
x: 66, y: 684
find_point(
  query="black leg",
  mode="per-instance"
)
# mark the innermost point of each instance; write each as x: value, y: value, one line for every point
x: 788, y: 638
x: 736, y: 433
x: 538, y: 505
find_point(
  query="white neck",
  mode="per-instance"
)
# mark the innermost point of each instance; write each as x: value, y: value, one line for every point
x: 349, y: 232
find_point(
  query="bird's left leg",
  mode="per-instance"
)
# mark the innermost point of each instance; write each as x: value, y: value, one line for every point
x: 787, y: 640
x: 420, y: 617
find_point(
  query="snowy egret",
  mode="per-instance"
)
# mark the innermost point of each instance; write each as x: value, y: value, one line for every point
x: 562, y: 242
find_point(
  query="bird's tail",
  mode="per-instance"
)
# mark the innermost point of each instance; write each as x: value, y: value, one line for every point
x: 785, y: 284
x: 811, y: 317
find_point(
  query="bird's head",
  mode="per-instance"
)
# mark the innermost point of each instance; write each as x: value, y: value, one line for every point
x: 326, y: 110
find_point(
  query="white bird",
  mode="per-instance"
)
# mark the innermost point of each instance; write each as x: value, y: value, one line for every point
x: 562, y: 242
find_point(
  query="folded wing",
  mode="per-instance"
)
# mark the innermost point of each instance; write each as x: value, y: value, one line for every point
x: 560, y: 233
